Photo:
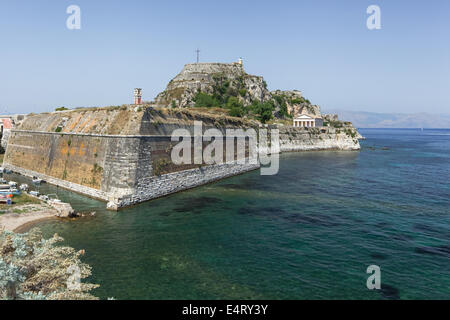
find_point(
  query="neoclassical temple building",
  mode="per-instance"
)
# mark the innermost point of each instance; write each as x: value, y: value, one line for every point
x: 305, y: 121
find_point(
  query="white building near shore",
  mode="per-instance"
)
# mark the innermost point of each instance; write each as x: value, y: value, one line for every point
x: 305, y: 121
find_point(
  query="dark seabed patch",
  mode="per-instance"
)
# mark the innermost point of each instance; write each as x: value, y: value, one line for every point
x: 250, y: 185
x: 402, y: 237
x: 246, y: 211
x: 196, y: 205
x: 316, y: 219
x: 424, y: 227
x: 432, y: 231
x: 382, y: 224
x: 234, y: 186
x: 378, y: 256
x: 389, y: 292
x: 440, y: 251
x: 165, y: 214
x: 271, y: 212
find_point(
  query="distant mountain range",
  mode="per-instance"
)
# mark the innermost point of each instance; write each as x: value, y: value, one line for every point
x: 363, y: 119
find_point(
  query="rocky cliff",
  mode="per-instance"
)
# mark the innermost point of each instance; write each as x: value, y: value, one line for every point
x: 225, y: 80
x: 295, y: 103
x: 205, y: 77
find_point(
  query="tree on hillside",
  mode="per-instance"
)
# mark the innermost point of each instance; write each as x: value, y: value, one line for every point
x: 263, y: 110
x: 33, y: 268
x: 235, y: 106
x: 203, y: 100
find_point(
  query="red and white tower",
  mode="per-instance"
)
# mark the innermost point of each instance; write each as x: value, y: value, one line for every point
x: 138, y: 96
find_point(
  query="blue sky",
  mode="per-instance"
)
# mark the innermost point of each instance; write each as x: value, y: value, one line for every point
x: 322, y: 48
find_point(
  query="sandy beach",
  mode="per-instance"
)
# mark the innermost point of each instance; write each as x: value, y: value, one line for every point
x: 21, y: 222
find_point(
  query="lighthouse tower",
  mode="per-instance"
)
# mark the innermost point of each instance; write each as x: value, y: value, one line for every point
x: 138, y: 96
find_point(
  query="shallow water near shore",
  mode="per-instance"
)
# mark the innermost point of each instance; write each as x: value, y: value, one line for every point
x: 309, y: 232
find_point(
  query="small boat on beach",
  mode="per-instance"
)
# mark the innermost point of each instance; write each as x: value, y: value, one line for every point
x: 12, y: 184
x: 44, y: 197
x: 34, y: 193
x: 24, y: 187
x: 53, y: 197
x: 36, y: 180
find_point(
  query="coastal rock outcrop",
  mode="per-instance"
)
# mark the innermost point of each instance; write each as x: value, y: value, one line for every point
x: 224, y: 80
x: 64, y: 210
x: 206, y: 77
x: 296, y: 104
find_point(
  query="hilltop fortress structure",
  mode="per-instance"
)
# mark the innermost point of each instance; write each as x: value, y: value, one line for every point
x: 122, y: 154
x: 203, y: 77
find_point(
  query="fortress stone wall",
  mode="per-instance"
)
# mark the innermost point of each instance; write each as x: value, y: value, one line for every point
x: 86, y: 151
x: 72, y: 150
x: 316, y: 139
x: 204, y: 71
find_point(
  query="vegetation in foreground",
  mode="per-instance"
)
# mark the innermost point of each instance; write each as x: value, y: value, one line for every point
x: 34, y: 268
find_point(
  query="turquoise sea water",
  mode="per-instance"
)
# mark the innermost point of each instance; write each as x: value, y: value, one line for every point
x: 309, y: 232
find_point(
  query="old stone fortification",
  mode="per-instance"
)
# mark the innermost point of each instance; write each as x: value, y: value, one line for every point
x: 315, y: 139
x: 210, y: 78
x: 195, y: 77
x: 122, y: 154
x: 5, y: 138
x: 15, y: 120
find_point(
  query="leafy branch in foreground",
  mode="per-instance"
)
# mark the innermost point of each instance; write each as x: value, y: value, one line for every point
x: 32, y: 267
